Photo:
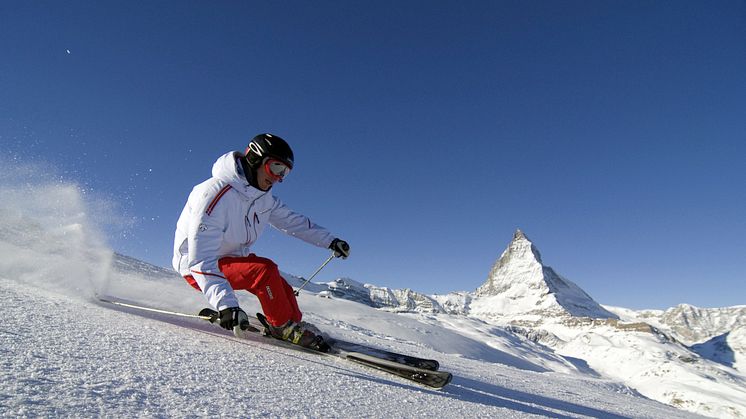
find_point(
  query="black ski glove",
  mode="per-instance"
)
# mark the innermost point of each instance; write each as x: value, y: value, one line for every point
x: 340, y: 248
x: 233, y: 316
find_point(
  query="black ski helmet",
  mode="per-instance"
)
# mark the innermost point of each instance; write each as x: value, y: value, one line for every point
x: 268, y: 145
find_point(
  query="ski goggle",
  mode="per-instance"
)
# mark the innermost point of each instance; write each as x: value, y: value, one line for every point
x: 276, y: 169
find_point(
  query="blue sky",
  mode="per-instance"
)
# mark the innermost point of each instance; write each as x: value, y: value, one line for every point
x: 425, y: 133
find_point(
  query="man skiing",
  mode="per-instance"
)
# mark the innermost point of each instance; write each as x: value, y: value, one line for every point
x: 224, y: 216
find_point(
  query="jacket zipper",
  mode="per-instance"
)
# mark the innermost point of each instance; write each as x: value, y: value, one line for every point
x: 247, y: 220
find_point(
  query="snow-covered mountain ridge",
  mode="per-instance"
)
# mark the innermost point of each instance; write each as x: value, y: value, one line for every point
x: 690, y: 324
x: 519, y: 287
x: 718, y: 334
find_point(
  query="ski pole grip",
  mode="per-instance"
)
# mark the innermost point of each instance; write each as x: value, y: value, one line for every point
x: 210, y: 315
x: 345, y: 248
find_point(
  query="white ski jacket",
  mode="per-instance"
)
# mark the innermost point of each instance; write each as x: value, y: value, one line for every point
x: 224, y: 216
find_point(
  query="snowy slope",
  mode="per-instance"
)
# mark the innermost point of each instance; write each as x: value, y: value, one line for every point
x: 66, y: 355
x: 74, y: 358
x: 728, y: 349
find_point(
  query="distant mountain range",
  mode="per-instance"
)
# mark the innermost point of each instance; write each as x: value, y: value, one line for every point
x: 521, y: 290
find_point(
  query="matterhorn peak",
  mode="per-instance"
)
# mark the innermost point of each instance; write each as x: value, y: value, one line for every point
x: 521, y: 258
x: 521, y: 244
x: 520, y: 283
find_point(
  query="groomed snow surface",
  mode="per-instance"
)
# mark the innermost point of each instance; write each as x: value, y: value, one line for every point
x: 64, y: 354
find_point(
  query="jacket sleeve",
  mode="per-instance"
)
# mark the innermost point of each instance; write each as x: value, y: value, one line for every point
x: 205, y: 237
x: 298, y: 225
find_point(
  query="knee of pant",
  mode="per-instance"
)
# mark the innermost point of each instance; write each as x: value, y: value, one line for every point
x: 266, y: 264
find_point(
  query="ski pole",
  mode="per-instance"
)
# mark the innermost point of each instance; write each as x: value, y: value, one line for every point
x: 329, y: 259
x: 245, y: 325
x: 154, y: 310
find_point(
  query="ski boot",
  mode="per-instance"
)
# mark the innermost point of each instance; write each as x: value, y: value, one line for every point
x: 301, y: 334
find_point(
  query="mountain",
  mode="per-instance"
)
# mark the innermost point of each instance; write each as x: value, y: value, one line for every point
x: 693, y: 324
x: 381, y: 297
x: 520, y: 284
x: 718, y: 334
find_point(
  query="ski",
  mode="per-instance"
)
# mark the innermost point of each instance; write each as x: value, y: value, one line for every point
x: 375, y: 358
x: 401, y: 365
x: 412, y: 361
x: 429, y: 378
x: 435, y: 379
x: 342, y: 345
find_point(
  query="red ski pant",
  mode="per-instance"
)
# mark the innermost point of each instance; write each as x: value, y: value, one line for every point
x: 260, y: 277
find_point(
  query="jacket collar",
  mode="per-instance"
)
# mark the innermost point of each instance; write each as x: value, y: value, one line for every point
x: 229, y: 169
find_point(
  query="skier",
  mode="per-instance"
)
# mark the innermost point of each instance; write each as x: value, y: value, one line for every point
x: 224, y: 216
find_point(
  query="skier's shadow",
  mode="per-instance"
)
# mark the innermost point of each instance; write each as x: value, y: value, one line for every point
x: 474, y: 391
x: 464, y: 389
